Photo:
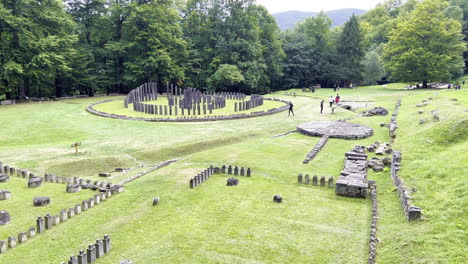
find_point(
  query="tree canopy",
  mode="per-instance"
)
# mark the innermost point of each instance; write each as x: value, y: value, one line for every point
x: 54, y: 48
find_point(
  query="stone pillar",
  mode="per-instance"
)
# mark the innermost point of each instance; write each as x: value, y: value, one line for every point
x: 48, y: 221
x: 63, y: 215
x: 91, y: 254
x: 242, y: 171
x: 3, y: 246
x: 314, y: 180
x: 223, y: 169
x: 330, y: 182
x: 99, y: 248
x: 40, y: 224
x: 82, y: 257
x: 107, y: 244
x: 22, y: 237
x: 322, y: 181
x: 71, y: 213
x: 31, y: 232
x: 12, y: 242
x: 84, y: 205
x: 73, y: 260
x: 307, y: 179
x: 191, y: 184
x: 230, y: 169
x: 77, y: 209
x: 299, y: 178
x: 249, y: 172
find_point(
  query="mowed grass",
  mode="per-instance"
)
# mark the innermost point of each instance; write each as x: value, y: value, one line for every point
x: 117, y: 107
x: 218, y: 224
x: 20, y: 206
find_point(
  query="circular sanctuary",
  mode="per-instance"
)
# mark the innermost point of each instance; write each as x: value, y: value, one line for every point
x: 149, y: 102
x: 335, y: 129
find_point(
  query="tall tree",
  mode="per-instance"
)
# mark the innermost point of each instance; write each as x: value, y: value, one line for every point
x: 156, y: 48
x: 350, y: 52
x: 426, y: 47
x: 35, y: 45
x: 310, y: 53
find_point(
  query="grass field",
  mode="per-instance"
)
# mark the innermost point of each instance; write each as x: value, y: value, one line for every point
x: 214, y: 223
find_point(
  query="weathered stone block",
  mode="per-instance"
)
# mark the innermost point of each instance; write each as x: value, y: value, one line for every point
x: 5, y: 195
x: 155, y: 201
x: 4, y: 177
x: 34, y: 182
x: 63, y: 215
x: 232, y: 182
x: 73, y: 188
x: 31, y: 232
x: 4, y: 218
x: 48, y: 221
x: 12, y: 242
x: 99, y: 248
x: 3, y: 246
x: 41, y: 201
x: 277, y: 198
x: 77, y: 209
x: 40, y: 225
x: 22, y: 237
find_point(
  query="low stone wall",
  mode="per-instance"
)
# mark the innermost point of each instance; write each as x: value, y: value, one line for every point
x: 93, y: 252
x: 285, y: 133
x: 315, y: 180
x: 411, y: 212
x: 373, y: 230
x: 152, y: 168
x: 393, y: 123
x: 225, y: 169
x: 353, y: 178
x: 311, y: 155
x: 93, y: 111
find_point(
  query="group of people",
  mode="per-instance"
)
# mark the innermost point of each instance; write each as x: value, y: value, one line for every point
x: 331, y: 100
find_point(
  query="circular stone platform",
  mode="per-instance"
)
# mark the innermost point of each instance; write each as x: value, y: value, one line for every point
x: 336, y: 129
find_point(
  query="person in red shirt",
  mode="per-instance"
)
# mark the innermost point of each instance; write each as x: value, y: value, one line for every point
x: 337, y: 98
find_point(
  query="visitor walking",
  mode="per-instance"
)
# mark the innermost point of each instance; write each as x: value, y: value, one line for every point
x: 291, y: 109
x: 337, y: 99
x: 331, y: 101
x: 321, y: 106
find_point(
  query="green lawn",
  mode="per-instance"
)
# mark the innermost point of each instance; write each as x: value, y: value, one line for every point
x: 218, y: 224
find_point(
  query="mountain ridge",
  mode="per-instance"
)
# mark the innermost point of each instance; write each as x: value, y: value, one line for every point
x: 288, y: 19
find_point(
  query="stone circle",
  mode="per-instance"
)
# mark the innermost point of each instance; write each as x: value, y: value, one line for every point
x: 335, y: 129
x: 4, y: 218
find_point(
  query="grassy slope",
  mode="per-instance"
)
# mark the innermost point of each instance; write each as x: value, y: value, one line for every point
x: 213, y: 223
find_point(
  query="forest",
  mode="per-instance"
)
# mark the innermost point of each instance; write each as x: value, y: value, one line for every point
x: 52, y: 48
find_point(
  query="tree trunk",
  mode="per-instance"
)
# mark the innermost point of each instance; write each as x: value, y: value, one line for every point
x: 58, y: 86
x: 424, y: 83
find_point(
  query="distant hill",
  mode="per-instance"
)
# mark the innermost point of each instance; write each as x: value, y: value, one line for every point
x: 287, y: 20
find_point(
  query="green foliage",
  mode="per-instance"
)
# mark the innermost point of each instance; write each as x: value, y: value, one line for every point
x: 425, y: 47
x: 227, y: 77
x: 310, y: 53
x: 373, y: 66
x: 350, y: 51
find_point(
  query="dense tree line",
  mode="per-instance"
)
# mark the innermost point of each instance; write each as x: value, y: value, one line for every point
x: 55, y: 48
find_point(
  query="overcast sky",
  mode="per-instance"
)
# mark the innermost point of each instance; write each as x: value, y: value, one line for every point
x: 276, y: 6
